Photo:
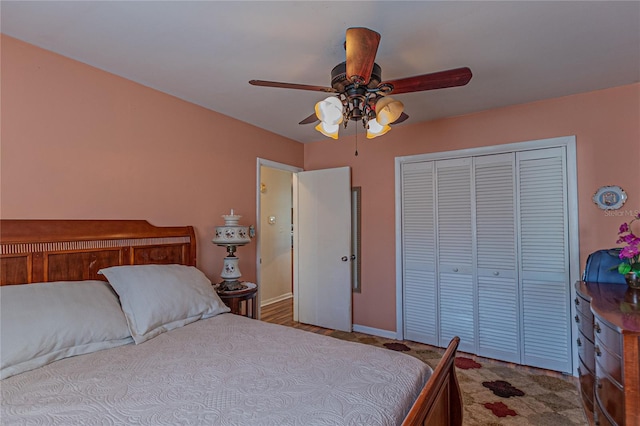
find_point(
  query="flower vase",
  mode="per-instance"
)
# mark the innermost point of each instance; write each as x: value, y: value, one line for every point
x: 633, y: 280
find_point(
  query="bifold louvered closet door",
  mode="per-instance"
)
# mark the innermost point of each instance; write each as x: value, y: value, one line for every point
x: 485, y: 255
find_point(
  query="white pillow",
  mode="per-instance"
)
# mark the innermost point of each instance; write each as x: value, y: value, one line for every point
x: 159, y: 298
x: 44, y: 322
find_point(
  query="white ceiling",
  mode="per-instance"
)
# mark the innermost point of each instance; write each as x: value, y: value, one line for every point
x: 206, y: 51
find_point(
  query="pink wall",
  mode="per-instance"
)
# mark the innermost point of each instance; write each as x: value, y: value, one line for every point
x: 80, y: 143
x: 606, y: 124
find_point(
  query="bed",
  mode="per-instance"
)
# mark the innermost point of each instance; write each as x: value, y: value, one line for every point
x: 109, y: 322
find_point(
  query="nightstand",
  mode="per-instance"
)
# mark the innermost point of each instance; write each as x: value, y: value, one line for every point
x: 241, y: 302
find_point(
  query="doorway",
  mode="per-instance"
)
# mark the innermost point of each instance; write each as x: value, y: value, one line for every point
x: 275, y: 231
x: 288, y: 262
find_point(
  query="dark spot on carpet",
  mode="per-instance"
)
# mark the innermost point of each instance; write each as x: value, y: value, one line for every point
x: 499, y: 409
x: 466, y: 363
x: 400, y: 347
x: 503, y: 389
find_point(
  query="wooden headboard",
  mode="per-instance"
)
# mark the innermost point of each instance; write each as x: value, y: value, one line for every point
x: 33, y: 251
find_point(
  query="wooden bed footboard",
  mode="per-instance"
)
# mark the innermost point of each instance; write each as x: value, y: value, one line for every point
x: 440, y: 401
x: 33, y: 251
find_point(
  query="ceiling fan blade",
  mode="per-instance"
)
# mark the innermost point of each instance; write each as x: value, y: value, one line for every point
x: 361, y: 45
x: 436, y: 80
x: 310, y: 119
x: 292, y: 86
x: 400, y: 119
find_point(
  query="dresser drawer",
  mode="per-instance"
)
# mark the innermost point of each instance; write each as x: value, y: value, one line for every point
x: 587, y: 379
x: 609, y: 363
x: 609, y: 396
x: 582, y: 306
x: 599, y: 417
x: 607, y: 336
x: 585, y: 350
x: 585, y: 324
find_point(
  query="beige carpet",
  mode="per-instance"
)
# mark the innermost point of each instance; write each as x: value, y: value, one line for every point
x: 497, y: 393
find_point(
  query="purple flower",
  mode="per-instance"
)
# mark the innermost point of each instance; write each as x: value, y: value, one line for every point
x: 629, y: 252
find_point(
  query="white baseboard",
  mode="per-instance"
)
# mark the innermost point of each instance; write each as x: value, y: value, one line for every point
x: 375, y: 331
x: 276, y: 299
x: 357, y: 328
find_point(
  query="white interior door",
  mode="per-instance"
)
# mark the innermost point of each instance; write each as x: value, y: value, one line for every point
x: 496, y: 257
x: 322, y: 271
x: 455, y: 252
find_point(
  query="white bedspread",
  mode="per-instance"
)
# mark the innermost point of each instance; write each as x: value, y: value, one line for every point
x: 226, y: 370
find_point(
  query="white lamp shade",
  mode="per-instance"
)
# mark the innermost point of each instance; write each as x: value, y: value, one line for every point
x: 375, y: 129
x: 388, y: 110
x: 329, y: 130
x: 329, y: 110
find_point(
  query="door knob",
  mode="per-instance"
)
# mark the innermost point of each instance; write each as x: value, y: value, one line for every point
x: 345, y: 258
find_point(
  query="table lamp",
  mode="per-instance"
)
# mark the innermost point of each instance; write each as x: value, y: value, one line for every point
x: 231, y: 235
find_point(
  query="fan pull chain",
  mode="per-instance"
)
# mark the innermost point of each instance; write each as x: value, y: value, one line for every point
x: 356, y: 141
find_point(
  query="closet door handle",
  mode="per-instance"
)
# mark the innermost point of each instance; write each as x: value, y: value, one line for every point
x: 496, y: 273
x: 455, y: 269
x: 344, y: 258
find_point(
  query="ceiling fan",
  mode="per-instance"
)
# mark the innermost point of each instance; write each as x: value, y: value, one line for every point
x: 360, y: 94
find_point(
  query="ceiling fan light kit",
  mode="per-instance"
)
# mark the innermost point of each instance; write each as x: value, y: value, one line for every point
x: 375, y: 129
x: 329, y: 130
x: 329, y: 111
x: 388, y: 110
x: 360, y: 94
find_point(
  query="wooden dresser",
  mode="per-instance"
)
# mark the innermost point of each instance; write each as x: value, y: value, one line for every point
x: 608, y: 317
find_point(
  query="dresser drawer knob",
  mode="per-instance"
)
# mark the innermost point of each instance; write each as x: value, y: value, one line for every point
x: 579, y: 342
x: 577, y: 301
x: 577, y: 318
x: 579, y: 372
x: 596, y: 327
x: 597, y: 350
x: 598, y: 384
